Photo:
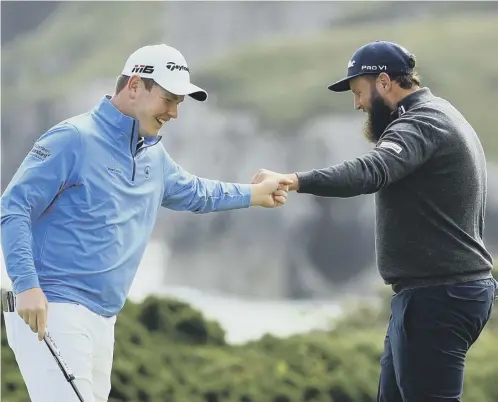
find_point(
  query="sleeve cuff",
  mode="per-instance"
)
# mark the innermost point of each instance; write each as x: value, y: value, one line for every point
x: 25, y: 283
x: 246, y: 192
x: 304, y: 178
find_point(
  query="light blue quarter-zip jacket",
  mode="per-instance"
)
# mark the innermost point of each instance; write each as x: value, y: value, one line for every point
x: 79, y: 212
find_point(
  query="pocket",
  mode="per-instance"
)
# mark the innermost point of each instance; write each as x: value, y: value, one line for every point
x: 473, y: 303
x: 476, y: 293
x: 10, y: 324
x: 402, y: 311
x: 386, y: 356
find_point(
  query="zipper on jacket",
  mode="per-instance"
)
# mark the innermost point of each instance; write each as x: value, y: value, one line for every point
x: 134, y: 153
x: 131, y: 150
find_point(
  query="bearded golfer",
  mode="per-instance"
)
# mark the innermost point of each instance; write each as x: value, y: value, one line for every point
x: 428, y: 172
x: 78, y: 214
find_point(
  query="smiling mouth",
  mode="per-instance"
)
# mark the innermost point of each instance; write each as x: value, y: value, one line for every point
x: 160, y: 121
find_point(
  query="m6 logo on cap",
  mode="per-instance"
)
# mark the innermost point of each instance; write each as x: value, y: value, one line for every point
x: 141, y: 68
x: 171, y: 66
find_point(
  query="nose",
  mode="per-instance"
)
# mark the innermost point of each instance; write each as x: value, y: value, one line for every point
x: 356, y: 103
x: 173, y: 112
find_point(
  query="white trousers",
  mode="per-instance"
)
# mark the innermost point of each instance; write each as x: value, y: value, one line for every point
x: 86, y: 343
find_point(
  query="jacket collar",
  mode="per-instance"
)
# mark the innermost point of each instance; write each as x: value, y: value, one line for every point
x: 121, y: 123
x: 111, y: 115
x: 408, y: 102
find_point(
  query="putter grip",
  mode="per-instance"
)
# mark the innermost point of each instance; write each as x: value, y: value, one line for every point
x: 62, y: 364
x: 57, y: 355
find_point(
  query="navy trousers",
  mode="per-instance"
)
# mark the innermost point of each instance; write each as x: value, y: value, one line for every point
x: 430, y: 331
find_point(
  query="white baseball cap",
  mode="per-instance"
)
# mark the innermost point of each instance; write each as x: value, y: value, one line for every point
x: 167, y: 67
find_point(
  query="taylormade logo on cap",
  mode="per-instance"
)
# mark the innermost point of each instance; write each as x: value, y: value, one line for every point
x: 167, y: 67
x: 172, y: 66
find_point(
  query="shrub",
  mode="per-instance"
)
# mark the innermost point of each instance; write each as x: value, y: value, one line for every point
x: 167, y: 352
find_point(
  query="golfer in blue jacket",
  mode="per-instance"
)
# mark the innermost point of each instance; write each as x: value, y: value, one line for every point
x: 79, y: 212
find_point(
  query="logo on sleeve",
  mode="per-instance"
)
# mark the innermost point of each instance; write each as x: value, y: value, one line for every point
x: 391, y: 145
x: 40, y: 152
x: 147, y: 171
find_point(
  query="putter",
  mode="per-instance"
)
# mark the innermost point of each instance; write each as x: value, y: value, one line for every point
x: 54, y: 350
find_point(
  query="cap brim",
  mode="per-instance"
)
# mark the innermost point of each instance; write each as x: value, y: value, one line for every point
x: 343, y: 85
x: 191, y: 90
x: 197, y: 93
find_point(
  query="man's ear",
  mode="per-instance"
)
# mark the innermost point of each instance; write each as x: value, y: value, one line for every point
x: 383, y: 83
x: 133, y: 85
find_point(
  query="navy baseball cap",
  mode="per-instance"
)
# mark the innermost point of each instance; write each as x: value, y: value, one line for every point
x: 375, y: 58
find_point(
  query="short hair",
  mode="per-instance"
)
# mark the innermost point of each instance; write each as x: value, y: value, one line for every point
x: 406, y: 80
x: 123, y: 80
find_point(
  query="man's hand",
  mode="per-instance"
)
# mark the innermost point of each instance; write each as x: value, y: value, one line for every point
x: 270, y: 192
x: 32, y: 307
x: 263, y: 174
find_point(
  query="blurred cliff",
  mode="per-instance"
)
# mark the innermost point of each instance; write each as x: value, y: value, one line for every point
x: 266, y: 66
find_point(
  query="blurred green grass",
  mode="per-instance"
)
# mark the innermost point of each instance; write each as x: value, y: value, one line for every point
x: 284, y: 80
x: 80, y: 43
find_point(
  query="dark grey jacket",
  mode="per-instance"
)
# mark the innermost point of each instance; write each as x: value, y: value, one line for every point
x: 428, y: 173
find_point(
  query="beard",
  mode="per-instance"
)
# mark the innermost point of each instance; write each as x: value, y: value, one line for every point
x: 379, y: 117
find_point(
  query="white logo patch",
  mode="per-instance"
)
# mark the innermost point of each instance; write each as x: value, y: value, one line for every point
x: 391, y: 145
x: 351, y: 63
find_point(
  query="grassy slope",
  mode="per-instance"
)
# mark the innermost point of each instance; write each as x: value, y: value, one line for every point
x: 284, y: 80
x: 94, y: 36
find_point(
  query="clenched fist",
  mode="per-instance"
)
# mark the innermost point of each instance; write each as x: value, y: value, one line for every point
x: 263, y: 174
x: 270, y: 192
